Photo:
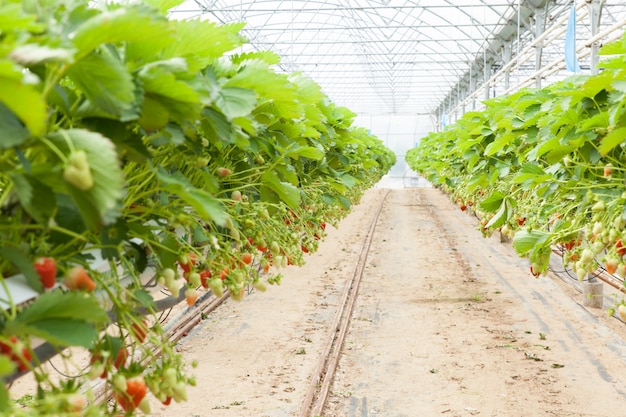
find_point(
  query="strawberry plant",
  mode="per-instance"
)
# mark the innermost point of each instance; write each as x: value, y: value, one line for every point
x: 138, y: 150
x: 546, y: 166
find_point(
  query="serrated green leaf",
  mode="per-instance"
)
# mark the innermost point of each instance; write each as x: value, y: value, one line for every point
x: 106, y: 82
x: 164, y: 5
x: 492, y: 203
x: 306, y: 152
x: 64, y: 332
x: 525, y: 241
x: 36, y: 198
x: 203, y: 39
x: 62, y: 305
x: 144, y: 298
x: 204, y: 204
x: 287, y: 192
x: 134, y: 23
x: 612, y: 139
x: 235, y: 102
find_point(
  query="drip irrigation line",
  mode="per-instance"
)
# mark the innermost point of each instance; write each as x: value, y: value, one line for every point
x: 322, y: 378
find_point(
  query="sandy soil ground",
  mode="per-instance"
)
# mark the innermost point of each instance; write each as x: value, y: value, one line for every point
x: 447, y: 323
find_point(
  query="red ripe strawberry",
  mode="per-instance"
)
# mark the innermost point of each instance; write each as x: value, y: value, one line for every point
x: 139, y: 330
x: 187, y: 262
x: 521, y: 221
x: 47, y: 270
x: 621, y: 249
x: 167, y: 401
x: 323, y: 225
x: 17, y: 352
x: 205, y: 276
x: 78, y: 279
x: 135, y: 392
x: 121, y: 357
x: 304, y: 249
x: 246, y: 258
x: 224, y: 273
x: 463, y: 207
x: 608, y: 170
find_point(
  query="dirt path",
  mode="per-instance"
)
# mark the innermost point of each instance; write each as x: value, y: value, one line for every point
x: 447, y: 323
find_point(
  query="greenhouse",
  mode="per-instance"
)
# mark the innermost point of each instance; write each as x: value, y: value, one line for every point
x: 313, y: 208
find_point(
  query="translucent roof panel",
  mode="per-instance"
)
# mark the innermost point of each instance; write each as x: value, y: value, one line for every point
x: 385, y: 56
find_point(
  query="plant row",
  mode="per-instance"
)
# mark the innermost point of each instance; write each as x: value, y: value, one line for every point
x: 138, y: 151
x: 546, y: 167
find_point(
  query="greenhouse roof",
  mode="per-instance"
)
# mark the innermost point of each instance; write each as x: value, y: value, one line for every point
x: 403, y: 56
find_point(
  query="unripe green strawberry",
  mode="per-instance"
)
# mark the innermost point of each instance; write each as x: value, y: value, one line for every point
x: 144, y: 405
x: 170, y: 377
x: 259, y: 285
x: 180, y: 392
x: 172, y: 287
x: 621, y: 310
x: 119, y: 382
x: 237, y: 292
x: 194, y: 279
x: 621, y: 271
x: 77, y: 171
x: 217, y: 287
x: 236, y: 195
x: 168, y: 274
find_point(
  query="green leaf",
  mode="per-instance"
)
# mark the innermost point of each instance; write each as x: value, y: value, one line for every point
x: 144, y: 298
x: 12, y: 130
x: 164, y: 5
x: 37, y: 199
x: 23, y: 99
x: 525, y: 241
x: 99, y: 205
x: 203, y: 39
x: 235, y: 102
x: 167, y: 251
x: 306, y: 152
x: 61, y: 318
x: 105, y: 81
x: 493, y: 202
x: 24, y: 264
x: 612, y: 139
x: 134, y: 23
x: 287, y: 192
x: 503, y: 214
x: 531, y: 172
x: 205, y: 205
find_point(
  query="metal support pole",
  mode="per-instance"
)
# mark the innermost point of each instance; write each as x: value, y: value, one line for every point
x: 595, y: 16
x: 506, y: 58
x: 486, y: 76
x: 540, y: 26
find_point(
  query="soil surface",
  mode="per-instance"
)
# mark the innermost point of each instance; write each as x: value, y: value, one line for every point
x: 446, y: 323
